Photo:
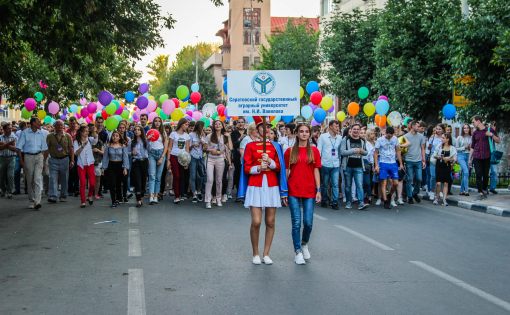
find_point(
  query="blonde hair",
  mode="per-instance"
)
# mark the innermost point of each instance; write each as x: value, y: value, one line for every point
x: 251, y: 128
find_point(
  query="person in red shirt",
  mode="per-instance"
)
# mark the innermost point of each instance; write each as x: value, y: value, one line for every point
x: 303, y: 162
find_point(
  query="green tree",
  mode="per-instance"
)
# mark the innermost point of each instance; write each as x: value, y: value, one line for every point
x: 296, y: 48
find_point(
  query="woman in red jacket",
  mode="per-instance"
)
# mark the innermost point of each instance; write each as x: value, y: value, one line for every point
x: 303, y: 162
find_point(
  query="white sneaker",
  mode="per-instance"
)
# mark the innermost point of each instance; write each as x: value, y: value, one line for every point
x: 400, y: 201
x: 299, y: 259
x: 213, y: 201
x: 378, y: 202
x: 219, y: 204
x: 266, y: 260
x: 432, y: 196
x: 224, y: 199
x: 256, y: 260
x: 393, y: 204
x: 306, y: 252
x: 208, y: 205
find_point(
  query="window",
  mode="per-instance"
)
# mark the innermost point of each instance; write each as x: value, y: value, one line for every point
x: 246, y: 63
x: 256, y: 61
x: 247, y: 37
x: 251, y: 16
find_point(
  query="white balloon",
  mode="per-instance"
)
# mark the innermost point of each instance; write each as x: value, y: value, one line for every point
x: 394, y: 118
x: 209, y: 109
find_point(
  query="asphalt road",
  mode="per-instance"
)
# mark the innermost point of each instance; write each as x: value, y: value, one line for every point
x: 185, y: 259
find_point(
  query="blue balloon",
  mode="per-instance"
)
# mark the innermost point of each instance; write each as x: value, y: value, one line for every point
x: 287, y: 119
x: 225, y: 86
x: 187, y: 98
x: 249, y: 119
x: 73, y: 108
x: 129, y: 96
x: 195, y: 87
x: 319, y: 115
x: 306, y: 111
x: 382, y: 107
x: 311, y: 87
x: 449, y: 111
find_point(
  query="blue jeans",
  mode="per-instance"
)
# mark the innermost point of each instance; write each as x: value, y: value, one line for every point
x: 357, y: 174
x: 464, y: 167
x: 155, y: 170
x: 414, y: 172
x: 295, y: 205
x: 367, y: 183
x: 432, y: 177
x: 493, y: 177
x: 197, y: 175
x: 329, y: 175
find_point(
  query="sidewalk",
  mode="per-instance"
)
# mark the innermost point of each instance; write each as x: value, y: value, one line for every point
x: 496, y: 204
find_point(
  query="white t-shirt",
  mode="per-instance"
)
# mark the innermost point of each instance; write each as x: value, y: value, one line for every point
x: 86, y: 156
x: 157, y: 145
x: 287, y: 142
x: 387, y: 149
x: 196, y: 151
x: 179, y: 142
x: 245, y: 142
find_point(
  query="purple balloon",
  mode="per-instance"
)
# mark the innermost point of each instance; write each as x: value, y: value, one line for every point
x: 105, y: 98
x: 383, y: 97
x: 92, y: 107
x: 119, y: 111
x: 63, y: 117
x: 331, y: 109
x: 142, y: 102
x: 314, y: 123
x: 143, y: 88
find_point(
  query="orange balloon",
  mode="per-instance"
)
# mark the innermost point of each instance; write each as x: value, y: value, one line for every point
x: 222, y: 118
x: 353, y: 108
x: 271, y: 118
x: 380, y: 120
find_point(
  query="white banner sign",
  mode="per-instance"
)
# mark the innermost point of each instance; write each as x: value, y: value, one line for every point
x: 263, y: 93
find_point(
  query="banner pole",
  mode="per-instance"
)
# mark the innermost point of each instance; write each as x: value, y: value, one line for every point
x: 264, y: 133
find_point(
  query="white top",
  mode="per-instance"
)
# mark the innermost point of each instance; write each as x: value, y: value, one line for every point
x: 326, y: 144
x: 245, y: 141
x: 86, y: 156
x: 387, y: 149
x: 179, y: 142
x: 370, y: 152
x: 220, y: 146
x: 286, y: 142
x: 196, y: 145
x: 157, y: 145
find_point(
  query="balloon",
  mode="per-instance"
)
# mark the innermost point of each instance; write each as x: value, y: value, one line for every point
x: 135, y: 117
x: 319, y: 115
x: 84, y: 112
x: 327, y: 102
x: 143, y: 88
x: 369, y: 109
x: 394, y: 119
x: 73, y: 108
x: 53, y: 108
x: 177, y: 114
x: 449, y: 111
x: 162, y: 115
x: 117, y: 104
x: 341, y: 116
x: 163, y: 98
x: 315, y: 123
x: 142, y: 102
x: 195, y: 87
x: 331, y: 109
x: 225, y: 86
x: 353, y: 108
x: 168, y: 107
x: 209, y: 109
x: 83, y: 101
x: 152, y: 115
x: 196, y: 115
x: 195, y: 97
x: 152, y: 106
x: 311, y: 87
x: 47, y: 120
x: 287, y: 119
x: 383, y: 97
x: 380, y: 120
x: 25, y: 114
x: 105, y: 98
x: 92, y: 107
x: 363, y: 92
x: 407, y: 120
x: 41, y: 114
x: 183, y: 104
x: 176, y: 102
x: 111, y: 109
x: 306, y: 111
x: 119, y: 110
x: 301, y: 92
x: 221, y: 109
x: 30, y: 104
x: 129, y: 96
x: 382, y: 106
x: 189, y: 113
x: 111, y: 123
x: 125, y: 114
x: 104, y: 114
x: 152, y: 135
x: 182, y: 92
x: 316, y: 98
x: 38, y: 96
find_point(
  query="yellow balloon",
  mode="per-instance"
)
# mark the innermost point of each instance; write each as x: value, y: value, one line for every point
x: 301, y: 92
x: 369, y: 109
x: 326, y: 102
x: 41, y: 114
x: 341, y: 116
x: 151, y: 98
x: 177, y: 114
x: 183, y: 104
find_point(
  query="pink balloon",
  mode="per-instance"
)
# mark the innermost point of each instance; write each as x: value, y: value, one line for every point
x: 53, y: 108
x: 119, y: 110
x: 196, y: 115
x: 30, y: 104
x: 221, y: 109
x: 144, y: 111
x: 152, y: 106
x: 83, y: 101
x: 84, y: 112
x: 77, y: 115
x: 92, y: 107
x: 189, y: 113
x: 168, y: 107
x: 383, y: 97
x: 152, y: 116
x: 88, y: 120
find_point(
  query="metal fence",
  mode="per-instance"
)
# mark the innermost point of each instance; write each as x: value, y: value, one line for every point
x: 503, y: 180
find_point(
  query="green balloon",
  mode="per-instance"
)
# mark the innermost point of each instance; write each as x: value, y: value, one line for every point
x: 125, y: 114
x: 182, y: 92
x: 111, y: 109
x: 25, y: 114
x: 163, y: 98
x: 118, y: 117
x: 363, y: 92
x: 214, y: 116
x: 206, y: 121
x: 38, y: 96
x: 47, y: 120
x: 162, y: 115
x: 111, y: 123
x: 117, y: 103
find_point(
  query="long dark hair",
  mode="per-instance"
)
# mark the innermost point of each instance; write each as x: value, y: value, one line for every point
x: 181, y: 122
x: 449, y: 137
x: 161, y: 128
x: 214, y: 136
x: 199, y: 128
x: 79, y: 133
x: 294, y: 153
x: 142, y: 136
x: 123, y: 136
x: 111, y: 137
x: 462, y: 134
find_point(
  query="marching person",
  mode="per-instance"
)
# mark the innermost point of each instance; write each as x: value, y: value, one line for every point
x: 7, y: 159
x: 328, y: 144
x: 60, y: 149
x: 415, y: 161
x: 157, y: 157
x: 115, y: 165
x: 33, y: 151
x: 262, y: 190
x: 303, y: 161
x: 445, y: 155
x: 85, y: 163
x: 139, y: 170
x: 197, y: 168
x: 179, y: 142
x: 463, y: 145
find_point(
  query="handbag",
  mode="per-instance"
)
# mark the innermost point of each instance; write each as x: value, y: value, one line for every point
x: 496, y: 155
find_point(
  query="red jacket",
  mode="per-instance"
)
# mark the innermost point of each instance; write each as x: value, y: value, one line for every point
x: 253, y: 158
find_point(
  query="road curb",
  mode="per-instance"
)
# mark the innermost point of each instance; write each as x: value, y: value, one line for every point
x: 475, y: 206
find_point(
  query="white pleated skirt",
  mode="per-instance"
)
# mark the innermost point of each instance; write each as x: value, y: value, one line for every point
x: 263, y: 197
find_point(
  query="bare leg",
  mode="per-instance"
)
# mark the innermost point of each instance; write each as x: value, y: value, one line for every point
x: 438, y: 189
x: 256, y: 218
x: 270, y: 222
x: 382, y: 190
x: 445, y: 191
x: 394, y: 185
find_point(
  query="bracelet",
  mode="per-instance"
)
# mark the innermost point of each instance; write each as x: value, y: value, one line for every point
x: 319, y: 189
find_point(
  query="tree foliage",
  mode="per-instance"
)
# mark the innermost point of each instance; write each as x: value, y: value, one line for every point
x: 295, y: 48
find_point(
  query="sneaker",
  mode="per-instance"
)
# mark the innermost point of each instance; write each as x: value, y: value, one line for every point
x: 299, y: 259
x: 410, y: 201
x: 229, y: 197
x: 348, y: 205
x: 435, y: 202
x: 82, y: 205
x: 37, y: 206
x: 98, y: 197
x: 362, y: 206
x: 195, y: 199
x: 256, y: 260
x: 393, y: 204
x: 177, y: 200
x: 114, y: 205
x: 400, y: 201
x: 52, y: 201
x: 62, y: 200
x: 151, y: 201
x: 417, y: 198
x: 219, y: 204
x: 31, y: 206
x: 445, y: 203
x: 431, y: 196
x: 335, y: 207
x: 266, y: 260
x: 387, y: 204
x: 378, y: 202
x: 199, y: 197
x: 208, y: 205
x: 306, y: 252
x: 224, y: 198
x: 213, y: 201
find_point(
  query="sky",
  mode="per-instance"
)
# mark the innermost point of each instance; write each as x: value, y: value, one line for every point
x: 201, y: 18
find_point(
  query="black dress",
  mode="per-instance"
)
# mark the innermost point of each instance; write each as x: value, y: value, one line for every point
x: 443, y: 169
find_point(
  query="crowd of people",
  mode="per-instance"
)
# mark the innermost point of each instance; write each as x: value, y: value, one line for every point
x: 342, y: 163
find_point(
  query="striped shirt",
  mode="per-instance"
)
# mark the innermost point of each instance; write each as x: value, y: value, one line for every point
x: 5, y: 140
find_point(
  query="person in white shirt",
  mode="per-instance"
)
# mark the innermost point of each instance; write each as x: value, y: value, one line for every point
x: 179, y: 142
x: 328, y: 146
x: 85, y: 163
x: 290, y: 138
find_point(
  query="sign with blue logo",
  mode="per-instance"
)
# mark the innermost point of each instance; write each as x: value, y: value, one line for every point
x: 263, y: 93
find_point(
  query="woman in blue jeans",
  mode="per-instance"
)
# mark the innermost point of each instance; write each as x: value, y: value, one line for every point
x: 463, y: 145
x: 303, y: 162
x: 197, y: 167
x: 157, y: 157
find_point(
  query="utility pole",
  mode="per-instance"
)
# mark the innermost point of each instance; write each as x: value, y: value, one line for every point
x: 196, y: 60
x: 464, y: 7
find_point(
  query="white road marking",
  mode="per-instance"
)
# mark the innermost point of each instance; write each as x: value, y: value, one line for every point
x: 133, y: 215
x: 320, y: 217
x: 364, y: 237
x: 135, y: 247
x: 484, y: 295
x: 136, y: 293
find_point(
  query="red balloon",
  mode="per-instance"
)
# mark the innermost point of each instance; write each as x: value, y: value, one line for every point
x: 221, y: 110
x: 176, y: 102
x: 104, y: 114
x: 316, y: 98
x: 195, y: 97
x: 152, y: 135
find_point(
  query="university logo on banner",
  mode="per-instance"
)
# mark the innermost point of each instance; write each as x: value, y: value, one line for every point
x: 263, y: 93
